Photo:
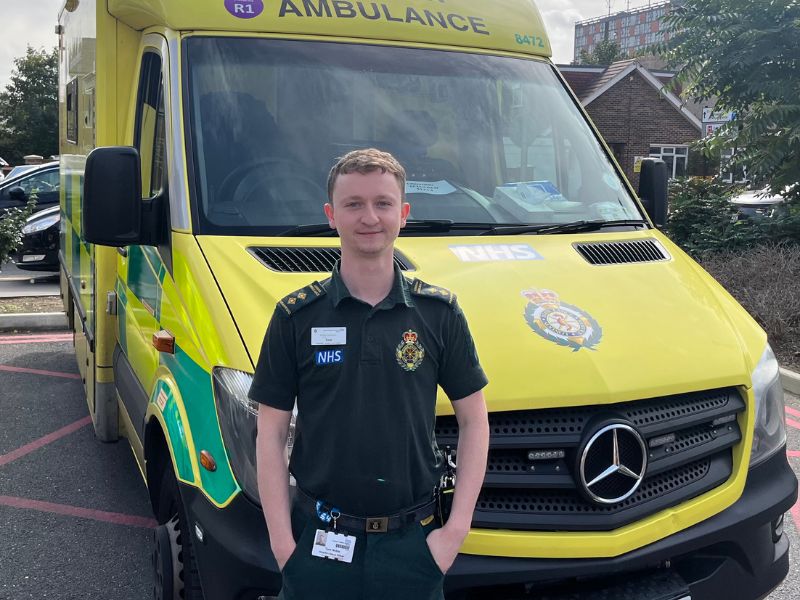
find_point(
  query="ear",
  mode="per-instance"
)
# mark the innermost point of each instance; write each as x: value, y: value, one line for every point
x: 404, y: 210
x: 329, y: 213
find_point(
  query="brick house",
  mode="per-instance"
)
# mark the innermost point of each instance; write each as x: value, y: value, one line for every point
x: 637, y: 115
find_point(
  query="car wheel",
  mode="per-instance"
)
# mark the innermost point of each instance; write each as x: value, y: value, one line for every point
x: 175, y: 574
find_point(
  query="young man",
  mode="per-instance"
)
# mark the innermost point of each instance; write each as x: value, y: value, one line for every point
x: 362, y: 354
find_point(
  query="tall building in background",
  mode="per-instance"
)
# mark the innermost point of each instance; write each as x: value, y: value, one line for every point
x: 634, y: 29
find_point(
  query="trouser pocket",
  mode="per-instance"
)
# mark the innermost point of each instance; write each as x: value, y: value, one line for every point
x: 425, y: 530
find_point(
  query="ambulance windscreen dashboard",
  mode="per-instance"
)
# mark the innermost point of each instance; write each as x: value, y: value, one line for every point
x: 483, y: 139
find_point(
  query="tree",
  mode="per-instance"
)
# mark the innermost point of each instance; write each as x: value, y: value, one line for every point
x: 746, y: 54
x: 29, y: 107
x: 605, y: 53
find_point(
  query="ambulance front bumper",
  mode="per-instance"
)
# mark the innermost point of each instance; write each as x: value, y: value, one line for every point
x: 234, y: 558
x: 737, y: 554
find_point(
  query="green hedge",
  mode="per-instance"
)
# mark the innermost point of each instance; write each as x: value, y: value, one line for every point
x: 702, y: 219
x: 11, y: 228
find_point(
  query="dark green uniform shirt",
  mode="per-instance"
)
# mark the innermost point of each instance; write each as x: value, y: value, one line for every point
x: 365, y: 379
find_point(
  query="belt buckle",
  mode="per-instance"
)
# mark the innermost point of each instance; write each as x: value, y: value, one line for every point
x: 377, y: 524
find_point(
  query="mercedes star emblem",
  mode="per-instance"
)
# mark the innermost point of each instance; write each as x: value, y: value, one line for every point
x: 613, y: 463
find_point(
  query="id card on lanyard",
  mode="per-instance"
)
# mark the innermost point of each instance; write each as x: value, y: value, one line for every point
x: 333, y: 545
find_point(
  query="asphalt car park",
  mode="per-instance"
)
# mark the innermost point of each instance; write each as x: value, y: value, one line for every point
x: 75, y: 521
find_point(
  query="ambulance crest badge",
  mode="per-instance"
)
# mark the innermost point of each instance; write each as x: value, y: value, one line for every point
x: 559, y: 322
x: 409, y: 352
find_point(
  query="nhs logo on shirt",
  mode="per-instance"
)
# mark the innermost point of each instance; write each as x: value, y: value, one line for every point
x: 328, y: 357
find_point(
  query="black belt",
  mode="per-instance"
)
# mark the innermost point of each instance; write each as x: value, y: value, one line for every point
x: 369, y: 524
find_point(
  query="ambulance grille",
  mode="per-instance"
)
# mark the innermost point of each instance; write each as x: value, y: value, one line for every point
x: 294, y: 259
x: 532, y: 480
x: 615, y: 253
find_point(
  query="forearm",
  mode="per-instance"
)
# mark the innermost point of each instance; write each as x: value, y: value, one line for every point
x: 273, y: 489
x: 473, y: 446
x: 273, y: 484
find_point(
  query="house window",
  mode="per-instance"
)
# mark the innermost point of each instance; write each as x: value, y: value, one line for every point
x: 729, y: 173
x: 675, y: 156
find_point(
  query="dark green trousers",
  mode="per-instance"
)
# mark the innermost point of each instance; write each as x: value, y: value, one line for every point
x: 386, y: 566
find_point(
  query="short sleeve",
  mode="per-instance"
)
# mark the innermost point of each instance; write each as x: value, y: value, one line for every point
x: 460, y: 371
x: 275, y: 379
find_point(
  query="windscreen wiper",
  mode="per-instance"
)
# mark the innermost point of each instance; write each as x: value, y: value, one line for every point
x: 312, y: 229
x: 434, y: 225
x: 572, y: 227
x: 447, y: 225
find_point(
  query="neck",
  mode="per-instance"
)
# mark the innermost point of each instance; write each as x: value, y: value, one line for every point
x: 369, y: 279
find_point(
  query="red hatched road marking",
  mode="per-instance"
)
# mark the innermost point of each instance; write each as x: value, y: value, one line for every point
x: 42, y: 341
x: 792, y: 411
x: 77, y: 511
x: 43, y: 441
x: 39, y: 372
x: 793, y: 453
x: 35, y: 339
x: 792, y: 423
x: 65, y: 509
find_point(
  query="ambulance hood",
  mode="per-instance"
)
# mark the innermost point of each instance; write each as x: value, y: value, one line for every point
x: 551, y: 328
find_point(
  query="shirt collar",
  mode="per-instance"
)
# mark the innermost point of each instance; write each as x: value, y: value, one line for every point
x: 399, y: 294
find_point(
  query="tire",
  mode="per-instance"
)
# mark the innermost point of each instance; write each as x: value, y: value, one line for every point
x: 175, y: 574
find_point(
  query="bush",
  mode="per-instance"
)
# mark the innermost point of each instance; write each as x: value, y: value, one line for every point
x: 11, y: 228
x: 766, y: 282
x: 702, y: 220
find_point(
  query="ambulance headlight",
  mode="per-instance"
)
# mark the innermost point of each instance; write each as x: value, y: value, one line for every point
x: 238, y: 420
x: 238, y: 417
x: 770, y: 429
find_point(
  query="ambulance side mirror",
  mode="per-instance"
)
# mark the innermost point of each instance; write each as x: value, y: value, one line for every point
x: 653, y: 190
x: 114, y: 213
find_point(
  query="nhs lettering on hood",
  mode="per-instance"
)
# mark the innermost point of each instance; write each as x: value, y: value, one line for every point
x: 495, y: 252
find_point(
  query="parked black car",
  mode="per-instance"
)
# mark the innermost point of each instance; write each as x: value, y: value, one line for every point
x: 44, y: 180
x: 40, y: 241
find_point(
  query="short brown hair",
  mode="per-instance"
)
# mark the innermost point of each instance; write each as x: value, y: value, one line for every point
x: 366, y: 161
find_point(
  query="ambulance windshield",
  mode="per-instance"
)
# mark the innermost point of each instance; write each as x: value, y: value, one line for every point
x: 484, y: 139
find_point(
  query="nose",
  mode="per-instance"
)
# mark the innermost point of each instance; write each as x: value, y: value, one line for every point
x: 370, y: 216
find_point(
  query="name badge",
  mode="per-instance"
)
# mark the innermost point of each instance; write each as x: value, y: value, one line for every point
x: 336, y: 546
x: 328, y: 336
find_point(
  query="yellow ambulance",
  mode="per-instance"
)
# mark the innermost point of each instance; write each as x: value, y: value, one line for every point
x: 637, y: 437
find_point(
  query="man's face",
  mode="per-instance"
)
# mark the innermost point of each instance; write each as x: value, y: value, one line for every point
x: 368, y: 212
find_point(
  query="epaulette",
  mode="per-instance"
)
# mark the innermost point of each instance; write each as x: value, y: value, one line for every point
x: 302, y: 297
x: 420, y: 288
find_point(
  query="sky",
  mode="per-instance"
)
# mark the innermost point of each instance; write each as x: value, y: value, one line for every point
x: 32, y: 22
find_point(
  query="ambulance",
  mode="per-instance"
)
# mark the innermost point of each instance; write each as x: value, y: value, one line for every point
x: 637, y: 437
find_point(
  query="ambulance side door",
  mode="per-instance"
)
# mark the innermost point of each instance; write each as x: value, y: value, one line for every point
x: 143, y: 269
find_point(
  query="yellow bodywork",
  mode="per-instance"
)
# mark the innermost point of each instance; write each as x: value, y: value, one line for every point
x: 497, y: 25
x: 667, y: 327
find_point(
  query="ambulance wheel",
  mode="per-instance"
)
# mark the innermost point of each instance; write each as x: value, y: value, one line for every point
x: 175, y: 574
